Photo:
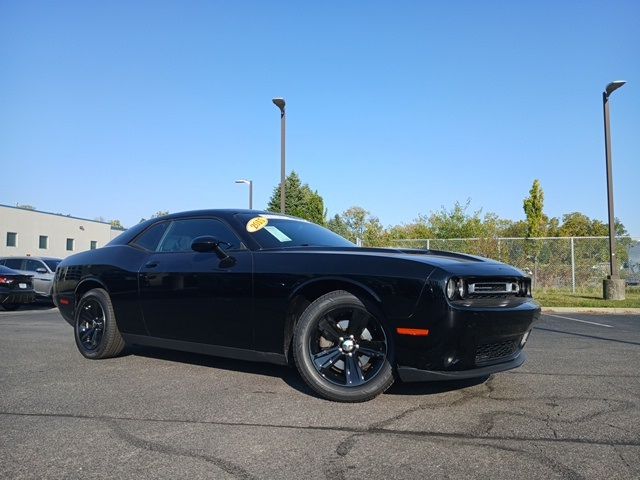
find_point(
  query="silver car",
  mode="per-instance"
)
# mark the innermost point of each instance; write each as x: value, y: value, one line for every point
x: 42, y: 269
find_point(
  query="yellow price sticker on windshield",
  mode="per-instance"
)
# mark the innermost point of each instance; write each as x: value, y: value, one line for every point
x: 256, y: 224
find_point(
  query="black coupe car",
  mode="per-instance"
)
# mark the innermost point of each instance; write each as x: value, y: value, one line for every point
x: 16, y: 289
x: 259, y: 286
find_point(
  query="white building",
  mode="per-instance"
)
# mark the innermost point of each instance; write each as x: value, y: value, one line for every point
x: 44, y: 234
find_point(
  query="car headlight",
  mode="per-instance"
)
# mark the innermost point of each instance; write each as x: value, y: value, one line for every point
x: 455, y: 288
x: 451, y: 288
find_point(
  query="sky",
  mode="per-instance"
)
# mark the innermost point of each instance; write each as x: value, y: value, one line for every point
x: 120, y: 109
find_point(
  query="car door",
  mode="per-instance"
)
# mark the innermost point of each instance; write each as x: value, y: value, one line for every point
x: 194, y: 296
x: 42, y: 278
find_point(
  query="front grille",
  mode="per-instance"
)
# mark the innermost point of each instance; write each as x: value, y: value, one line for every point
x: 494, y: 351
x: 490, y: 287
x: 489, y: 295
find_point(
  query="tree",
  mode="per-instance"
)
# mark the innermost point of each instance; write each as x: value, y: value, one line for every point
x: 116, y: 224
x: 338, y: 225
x: 356, y: 223
x: 160, y: 213
x: 533, y: 209
x: 455, y: 223
x: 577, y: 224
x: 300, y: 200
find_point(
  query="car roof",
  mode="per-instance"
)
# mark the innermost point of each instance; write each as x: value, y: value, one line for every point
x: 224, y: 213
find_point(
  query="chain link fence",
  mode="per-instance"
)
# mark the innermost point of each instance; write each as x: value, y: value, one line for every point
x: 573, y: 263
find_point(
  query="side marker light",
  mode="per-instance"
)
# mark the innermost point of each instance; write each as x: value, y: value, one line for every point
x: 414, y: 332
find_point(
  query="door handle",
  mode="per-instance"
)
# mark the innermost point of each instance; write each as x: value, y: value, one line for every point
x: 151, y: 265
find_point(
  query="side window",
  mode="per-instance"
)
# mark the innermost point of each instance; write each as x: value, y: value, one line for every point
x: 150, y: 238
x: 15, y: 263
x: 182, y: 232
x: 33, y: 265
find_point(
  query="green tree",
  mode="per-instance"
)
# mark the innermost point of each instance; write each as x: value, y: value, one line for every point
x: 357, y: 223
x: 116, y: 224
x: 533, y: 209
x: 300, y: 200
x: 338, y: 225
x: 160, y: 213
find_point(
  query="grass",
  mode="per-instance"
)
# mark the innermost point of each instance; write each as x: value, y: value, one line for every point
x: 589, y: 299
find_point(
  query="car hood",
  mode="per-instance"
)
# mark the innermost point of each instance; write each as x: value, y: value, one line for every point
x: 452, y: 262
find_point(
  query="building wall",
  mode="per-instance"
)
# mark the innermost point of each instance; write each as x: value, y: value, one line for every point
x: 30, y: 224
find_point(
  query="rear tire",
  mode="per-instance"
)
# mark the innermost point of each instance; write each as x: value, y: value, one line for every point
x: 95, y: 328
x: 342, y: 349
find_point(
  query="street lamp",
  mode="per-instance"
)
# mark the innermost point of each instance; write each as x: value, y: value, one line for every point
x: 613, y: 286
x: 280, y: 103
x: 250, y: 183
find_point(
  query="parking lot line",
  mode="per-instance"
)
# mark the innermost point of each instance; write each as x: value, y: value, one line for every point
x: 578, y: 320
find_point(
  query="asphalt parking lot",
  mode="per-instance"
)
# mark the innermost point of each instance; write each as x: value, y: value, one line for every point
x: 573, y: 411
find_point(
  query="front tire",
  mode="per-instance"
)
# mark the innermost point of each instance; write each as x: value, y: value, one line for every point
x: 95, y: 328
x: 342, y: 349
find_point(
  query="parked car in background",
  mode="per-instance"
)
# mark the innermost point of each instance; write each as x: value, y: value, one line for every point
x: 42, y: 269
x: 15, y: 289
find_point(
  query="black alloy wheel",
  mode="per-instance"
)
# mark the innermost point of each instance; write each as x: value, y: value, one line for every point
x: 342, y: 349
x: 96, y: 331
x: 90, y: 324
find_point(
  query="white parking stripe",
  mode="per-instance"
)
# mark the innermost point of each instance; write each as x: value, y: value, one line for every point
x: 578, y: 320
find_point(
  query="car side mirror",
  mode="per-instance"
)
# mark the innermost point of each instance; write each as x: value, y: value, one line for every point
x: 41, y: 270
x: 206, y: 244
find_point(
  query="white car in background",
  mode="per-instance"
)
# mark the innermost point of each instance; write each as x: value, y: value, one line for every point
x: 42, y: 269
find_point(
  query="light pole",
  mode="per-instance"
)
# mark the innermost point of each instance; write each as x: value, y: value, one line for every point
x: 280, y: 103
x: 250, y: 183
x: 613, y: 286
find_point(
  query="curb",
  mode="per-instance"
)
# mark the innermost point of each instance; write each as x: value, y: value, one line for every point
x: 598, y: 310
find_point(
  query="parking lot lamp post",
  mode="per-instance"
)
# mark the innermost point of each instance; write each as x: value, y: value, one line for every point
x: 250, y: 183
x: 613, y: 286
x: 280, y: 103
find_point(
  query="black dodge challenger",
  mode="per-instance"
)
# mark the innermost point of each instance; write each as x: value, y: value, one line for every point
x: 254, y: 285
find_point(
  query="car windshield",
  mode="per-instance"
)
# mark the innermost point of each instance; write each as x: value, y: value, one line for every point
x: 52, y: 264
x: 276, y: 231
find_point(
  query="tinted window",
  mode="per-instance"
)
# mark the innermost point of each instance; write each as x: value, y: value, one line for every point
x: 182, y: 232
x: 52, y: 264
x: 15, y: 263
x: 33, y: 265
x: 70, y: 244
x: 282, y: 231
x: 93, y: 245
x: 150, y: 238
x: 43, y: 242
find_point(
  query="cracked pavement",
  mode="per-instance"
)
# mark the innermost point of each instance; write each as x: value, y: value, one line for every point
x: 572, y: 411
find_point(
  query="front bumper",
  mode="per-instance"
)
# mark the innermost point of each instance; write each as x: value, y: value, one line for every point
x: 410, y: 374
x: 464, y: 340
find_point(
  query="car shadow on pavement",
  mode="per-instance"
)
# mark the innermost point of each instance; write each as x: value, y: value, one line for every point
x: 290, y: 375
x: 432, y: 388
x: 287, y: 373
